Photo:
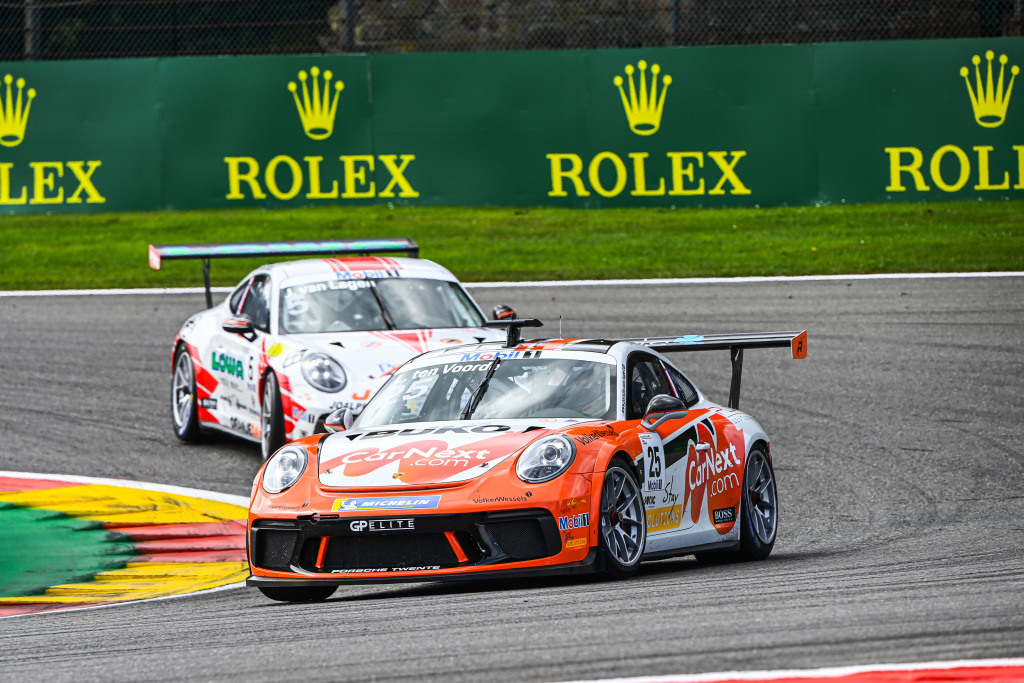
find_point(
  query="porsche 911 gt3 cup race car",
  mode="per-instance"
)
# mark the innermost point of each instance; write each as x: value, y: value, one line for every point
x: 520, y: 459
x: 297, y: 340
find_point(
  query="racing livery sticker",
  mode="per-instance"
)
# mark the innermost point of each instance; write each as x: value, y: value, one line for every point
x: 653, y: 461
x: 427, y: 454
x: 418, y: 503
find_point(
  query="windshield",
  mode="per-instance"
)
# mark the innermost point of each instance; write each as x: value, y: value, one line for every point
x: 519, y: 388
x: 385, y: 304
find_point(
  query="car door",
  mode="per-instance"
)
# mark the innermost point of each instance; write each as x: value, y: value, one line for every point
x: 238, y: 358
x: 665, y: 453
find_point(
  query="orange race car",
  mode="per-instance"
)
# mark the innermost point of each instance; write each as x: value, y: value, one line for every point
x: 520, y: 459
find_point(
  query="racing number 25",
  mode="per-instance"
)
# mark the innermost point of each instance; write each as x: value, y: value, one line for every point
x: 654, y: 457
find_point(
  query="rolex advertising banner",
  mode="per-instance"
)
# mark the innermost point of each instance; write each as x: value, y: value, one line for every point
x: 708, y: 126
x: 79, y: 136
x: 920, y: 121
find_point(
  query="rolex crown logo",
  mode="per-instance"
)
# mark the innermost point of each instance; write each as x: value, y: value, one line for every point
x: 317, y: 112
x: 644, y: 110
x: 990, y: 101
x: 14, y: 113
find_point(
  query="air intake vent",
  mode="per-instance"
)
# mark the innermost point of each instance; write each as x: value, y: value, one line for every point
x: 389, y: 551
x: 274, y: 548
x: 520, y: 539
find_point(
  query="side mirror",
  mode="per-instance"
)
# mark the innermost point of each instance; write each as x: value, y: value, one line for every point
x: 503, y: 312
x: 340, y: 420
x: 239, y: 324
x: 663, y: 408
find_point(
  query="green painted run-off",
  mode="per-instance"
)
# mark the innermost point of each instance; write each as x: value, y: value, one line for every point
x: 44, y: 548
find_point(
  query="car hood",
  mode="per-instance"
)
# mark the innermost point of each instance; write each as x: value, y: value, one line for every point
x: 372, y: 354
x: 400, y: 456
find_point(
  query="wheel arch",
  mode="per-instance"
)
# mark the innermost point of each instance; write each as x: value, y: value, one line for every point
x: 765, y: 446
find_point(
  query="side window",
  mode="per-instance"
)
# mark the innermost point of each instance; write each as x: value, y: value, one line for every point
x: 257, y: 303
x: 685, y: 388
x: 236, y: 297
x: 646, y: 380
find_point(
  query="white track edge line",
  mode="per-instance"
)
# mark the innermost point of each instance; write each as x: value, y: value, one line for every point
x: 829, y: 672
x: 228, y: 498
x: 157, y: 291
x: 82, y: 608
x: 241, y: 501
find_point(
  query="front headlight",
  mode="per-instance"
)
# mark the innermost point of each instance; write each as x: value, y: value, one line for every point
x: 323, y: 372
x: 284, y: 469
x: 545, y: 459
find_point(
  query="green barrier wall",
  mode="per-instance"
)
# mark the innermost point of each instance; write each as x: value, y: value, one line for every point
x: 715, y: 126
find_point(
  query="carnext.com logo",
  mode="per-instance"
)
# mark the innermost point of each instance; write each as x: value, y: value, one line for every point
x: 420, y: 503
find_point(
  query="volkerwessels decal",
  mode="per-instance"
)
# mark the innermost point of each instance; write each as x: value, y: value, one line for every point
x: 393, y: 503
x: 503, y: 499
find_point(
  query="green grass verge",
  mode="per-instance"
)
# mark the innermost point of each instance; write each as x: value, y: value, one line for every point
x: 479, y: 244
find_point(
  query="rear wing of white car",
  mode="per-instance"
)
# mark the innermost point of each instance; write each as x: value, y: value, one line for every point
x: 175, y: 252
x: 735, y: 343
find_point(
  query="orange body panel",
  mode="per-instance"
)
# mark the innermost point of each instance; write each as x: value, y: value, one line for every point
x: 575, y: 492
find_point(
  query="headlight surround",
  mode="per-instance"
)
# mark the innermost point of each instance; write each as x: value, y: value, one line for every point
x: 323, y: 372
x: 284, y: 469
x: 545, y: 459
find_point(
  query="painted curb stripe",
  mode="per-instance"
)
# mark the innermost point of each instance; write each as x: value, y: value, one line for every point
x: 159, y: 291
x: 171, y: 541
x: 964, y: 671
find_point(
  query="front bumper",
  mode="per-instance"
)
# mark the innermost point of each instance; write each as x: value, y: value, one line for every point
x: 331, y: 545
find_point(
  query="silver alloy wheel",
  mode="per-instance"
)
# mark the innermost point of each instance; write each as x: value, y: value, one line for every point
x: 181, y: 391
x: 762, y: 497
x: 623, y: 526
x: 267, y: 416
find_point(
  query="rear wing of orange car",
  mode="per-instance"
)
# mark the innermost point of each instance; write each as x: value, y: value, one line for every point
x: 735, y: 343
x: 174, y: 252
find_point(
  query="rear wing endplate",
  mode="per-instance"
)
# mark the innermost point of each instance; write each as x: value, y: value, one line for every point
x: 176, y: 252
x: 735, y: 343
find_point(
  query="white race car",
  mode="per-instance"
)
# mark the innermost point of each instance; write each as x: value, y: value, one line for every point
x: 296, y: 341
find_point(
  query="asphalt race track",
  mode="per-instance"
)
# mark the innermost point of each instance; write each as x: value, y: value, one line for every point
x: 897, y: 448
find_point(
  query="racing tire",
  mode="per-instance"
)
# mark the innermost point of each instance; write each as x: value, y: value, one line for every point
x: 622, y: 521
x: 271, y: 417
x: 759, y: 514
x: 299, y: 593
x: 184, y: 400
x: 759, y: 511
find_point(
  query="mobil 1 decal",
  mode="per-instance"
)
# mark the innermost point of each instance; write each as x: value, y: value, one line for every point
x: 702, y: 468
